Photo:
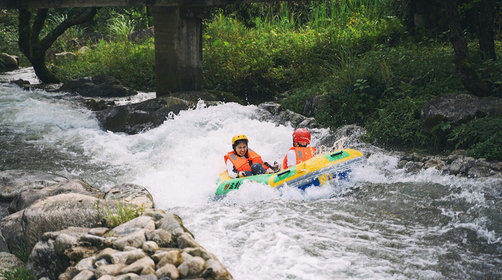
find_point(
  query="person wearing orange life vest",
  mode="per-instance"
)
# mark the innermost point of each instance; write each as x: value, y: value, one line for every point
x: 300, y: 151
x: 242, y: 162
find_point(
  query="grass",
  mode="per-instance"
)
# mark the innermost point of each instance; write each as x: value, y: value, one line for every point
x: 119, y: 213
x: 18, y: 274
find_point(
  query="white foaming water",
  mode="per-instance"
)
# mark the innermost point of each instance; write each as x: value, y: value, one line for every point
x: 260, y: 232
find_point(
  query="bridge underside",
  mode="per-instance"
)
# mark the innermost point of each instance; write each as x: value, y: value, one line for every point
x: 178, y: 35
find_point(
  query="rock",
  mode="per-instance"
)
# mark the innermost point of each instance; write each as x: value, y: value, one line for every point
x: 45, y: 262
x: 135, y: 239
x: 59, y: 212
x: 191, y: 266
x: 186, y: 240
x: 478, y: 172
x: 277, y: 113
x: 84, y: 275
x: 8, y: 62
x: 29, y: 196
x: 173, y: 257
x: 128, y: 276
x: 143, y: 264
x: 107, y: 254
x: 141, y: 35
x: 160, y: 236
x: 63, y: 242
x: 9, y: 262
x: 12, y: 231
x: 130, y: 193
x: 92, y: 240
x: 168, y: 270
x: 136, y: 118
x: 456, y: 108
x: 110, y: 269
x: 172, y: 223
x: 413, y: 167
x: 107, y: 277
x: 98, y: 86
x: 198, y: 252
x: 12, y: 182
x: 86, y: 264
x: 127, y: 257
x: 348, y: 134
x: 215, y: 270
x: 141, y: 222
x: 64, y: 57
x: 150, y: 247
x: 100, y: 231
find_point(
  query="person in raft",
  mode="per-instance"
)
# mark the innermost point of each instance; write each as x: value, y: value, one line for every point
x: 300, y: 151
x: 242, y: 161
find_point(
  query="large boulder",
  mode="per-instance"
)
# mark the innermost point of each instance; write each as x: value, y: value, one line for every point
x: 29, y: 196
x: 98, y: 86
x: 13, y: 182
x: 130, y: 193
x: 8, y: 62
x: 136, y: 118
x: 59, y: 212
x: 457, y: 108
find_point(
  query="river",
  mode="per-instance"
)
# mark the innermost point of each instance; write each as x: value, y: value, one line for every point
x: 383, y: 224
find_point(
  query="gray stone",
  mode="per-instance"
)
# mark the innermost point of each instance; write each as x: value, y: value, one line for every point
x: 186, y: 240
x: 63, y: 242
x: 127, y: 257
x: 86, y: 264
x: 458, y: 107
x: 215, y: 270
x: 98, y: 86
x: 107, y: 254
x: 92, y: 240
x: 84, y: 275
x: 191, y: 266
x: 160, y: 236
x: 12, y: 182
x: 12, y: 231
x: 173, y: 257
x: 168, y: 270
x: 150, y: 247
x: 29, y: 196
x: 143, y: 264
x: 59, y: 212
x: 9, y: 262
x: 198, y: 252
x: 45, y: 262
x: 135, y: 239
x: 100, y: 231
x: 110, y: 269
x: 138, y: 117
x: 141, y: 222
x: 128, y: 276
x: 8, y: 62
x: 172, y: 223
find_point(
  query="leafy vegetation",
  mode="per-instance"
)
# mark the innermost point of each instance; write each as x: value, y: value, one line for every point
x: 361, y: 57
x: 18, y: 274
x: 119, y: 213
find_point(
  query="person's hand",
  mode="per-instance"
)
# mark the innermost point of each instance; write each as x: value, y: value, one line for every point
x: 242, y: 174
x: 270, y: 170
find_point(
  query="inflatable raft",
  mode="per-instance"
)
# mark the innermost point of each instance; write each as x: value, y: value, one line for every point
x: 316, y: 171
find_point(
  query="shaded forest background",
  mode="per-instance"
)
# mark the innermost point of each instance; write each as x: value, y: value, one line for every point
x: 365, y: 62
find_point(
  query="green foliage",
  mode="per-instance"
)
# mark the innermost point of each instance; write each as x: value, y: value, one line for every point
x: 398, y: 125
x: 18, y: 274
x: 8, y: 32
x: 20, y: 251
x: 121, y: 212
x: 131, y: 63
x: 482, y: 137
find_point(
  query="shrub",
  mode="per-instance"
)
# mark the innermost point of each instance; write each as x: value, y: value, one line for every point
x: 18, y: 274
x: 482, y: 137
x: 131, y: 63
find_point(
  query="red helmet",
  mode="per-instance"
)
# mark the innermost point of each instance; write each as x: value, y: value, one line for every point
x: 301, y: 134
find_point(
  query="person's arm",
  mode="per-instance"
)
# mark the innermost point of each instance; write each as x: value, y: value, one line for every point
x: 291, y: 155
x: 232, y: 172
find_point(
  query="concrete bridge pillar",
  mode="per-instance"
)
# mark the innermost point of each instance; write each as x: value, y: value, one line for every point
x: 178, y: 49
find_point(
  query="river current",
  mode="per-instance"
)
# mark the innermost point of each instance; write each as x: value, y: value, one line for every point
x: 383, y: 224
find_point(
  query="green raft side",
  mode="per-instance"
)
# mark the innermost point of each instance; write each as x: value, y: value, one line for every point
x: 234, y: 184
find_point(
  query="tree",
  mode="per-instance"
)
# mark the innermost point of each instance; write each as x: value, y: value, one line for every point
x: 463, y: 64
x: 35, y: 48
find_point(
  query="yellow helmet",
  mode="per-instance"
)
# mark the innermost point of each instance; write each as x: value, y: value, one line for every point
x: 239, y: 137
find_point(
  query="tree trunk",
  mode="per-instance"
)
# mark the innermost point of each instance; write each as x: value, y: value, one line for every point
x: 35, y: 48
x: 486, y: 18
x: 468, y: 75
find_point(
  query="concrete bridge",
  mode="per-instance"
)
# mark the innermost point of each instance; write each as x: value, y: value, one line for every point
x: 178, y: 35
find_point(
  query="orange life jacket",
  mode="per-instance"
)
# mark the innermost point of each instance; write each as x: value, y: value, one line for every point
x: 302, y: 154
x: 243, y: 163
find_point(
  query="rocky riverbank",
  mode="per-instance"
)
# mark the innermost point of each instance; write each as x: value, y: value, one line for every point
x: 67, y: 229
